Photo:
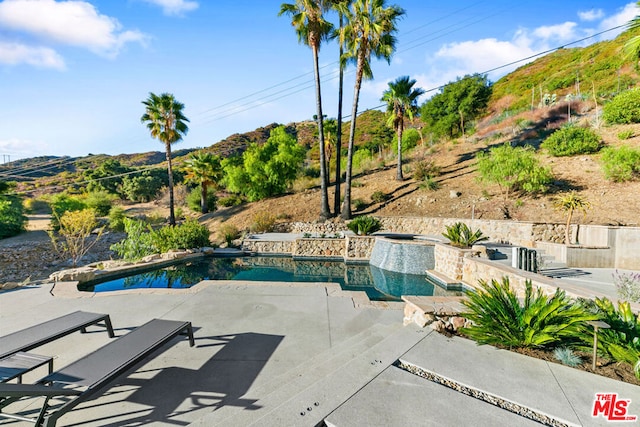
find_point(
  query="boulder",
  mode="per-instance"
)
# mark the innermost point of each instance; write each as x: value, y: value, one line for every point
x: 82, y: 274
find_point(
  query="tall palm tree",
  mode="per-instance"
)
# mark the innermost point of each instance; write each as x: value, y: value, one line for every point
x: 336, y: 195
x: 311, y: 27
x: 369, y: 31
x: 401, y: 98
x: 206, y: 170
x: 166, y: 122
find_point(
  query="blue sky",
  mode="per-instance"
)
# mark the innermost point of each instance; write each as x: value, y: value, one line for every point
x: 73, y: 73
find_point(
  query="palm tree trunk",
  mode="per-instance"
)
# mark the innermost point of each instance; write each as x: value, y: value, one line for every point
x: 324, y: 195
x: 336, y: 195
x: 346, y: 206
x: 172, y: 216
x: 399, y: 176
x: 203, y: 198
x: 567, y: 233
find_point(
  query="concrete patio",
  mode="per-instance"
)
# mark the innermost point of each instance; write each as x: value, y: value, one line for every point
x: 275, y: 354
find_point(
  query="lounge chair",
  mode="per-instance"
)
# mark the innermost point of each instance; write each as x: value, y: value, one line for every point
x: 94, y: 371
x: 35, y: 336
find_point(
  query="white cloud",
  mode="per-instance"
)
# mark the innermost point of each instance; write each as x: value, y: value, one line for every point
x: 590, y: 15
x: 561, y: 32
x: 72, y: 22
x: 175, y: 7
x: 22, y: 148
x: 622, y: 17
x: 42, y: 57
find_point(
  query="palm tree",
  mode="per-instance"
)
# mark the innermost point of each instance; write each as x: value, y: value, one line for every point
x: 205, y: 169
x: 401, y: 98
x: 166, y: 122
x: 570, y: 203
x: 369, y: 31
x: 311, y: 28
x: 336, y: 195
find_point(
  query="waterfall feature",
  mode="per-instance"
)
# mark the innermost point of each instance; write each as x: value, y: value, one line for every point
x: 409, y: 256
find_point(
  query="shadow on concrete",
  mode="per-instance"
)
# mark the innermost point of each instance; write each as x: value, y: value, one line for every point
x: 220, y: 381
x: 563, y: 272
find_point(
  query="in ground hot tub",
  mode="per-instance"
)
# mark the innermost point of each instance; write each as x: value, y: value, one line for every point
x: 404, y: 253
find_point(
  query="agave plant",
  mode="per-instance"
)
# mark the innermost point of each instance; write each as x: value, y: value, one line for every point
x: 620, y: 342
x: 459, y: 234
x: 498, y: 316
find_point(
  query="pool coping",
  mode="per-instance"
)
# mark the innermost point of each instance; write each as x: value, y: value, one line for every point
x: 360, y: 299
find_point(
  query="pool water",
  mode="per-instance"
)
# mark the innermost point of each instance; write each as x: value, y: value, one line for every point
x: 379, y: 284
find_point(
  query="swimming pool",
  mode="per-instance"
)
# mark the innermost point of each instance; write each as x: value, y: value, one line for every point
x: 379, y: 284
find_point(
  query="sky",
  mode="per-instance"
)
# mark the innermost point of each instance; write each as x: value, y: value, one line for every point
x: 73, y: 74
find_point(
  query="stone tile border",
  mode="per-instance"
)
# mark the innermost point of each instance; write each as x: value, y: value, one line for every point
x: 493, y: 399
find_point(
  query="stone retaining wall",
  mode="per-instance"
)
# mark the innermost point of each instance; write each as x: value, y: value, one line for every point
x: 462, y: 265
x: 351, y: 248
x: 268, y: 247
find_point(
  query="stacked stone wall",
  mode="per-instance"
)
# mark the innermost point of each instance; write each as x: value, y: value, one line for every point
x: 319, y: 248
x: 267, y: 247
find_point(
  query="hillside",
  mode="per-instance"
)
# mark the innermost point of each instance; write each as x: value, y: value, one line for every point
x: 590, y: 75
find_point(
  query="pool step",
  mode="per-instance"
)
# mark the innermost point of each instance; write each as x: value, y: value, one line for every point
x: 303, y: 377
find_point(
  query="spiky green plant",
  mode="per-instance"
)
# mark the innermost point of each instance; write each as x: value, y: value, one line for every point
x: 364, y: 225
x: 620, y: 342
x: 459, y: 234
x: 498, y: 316
x: 566, y: 356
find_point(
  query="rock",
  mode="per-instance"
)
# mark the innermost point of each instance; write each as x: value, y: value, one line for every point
x: 82, y: 274
x: 457, y: 322
x: 9, y: 285
x: 207, y: 250
x: 150, y: 258
x: 439, y: 326
x: 171, y: 255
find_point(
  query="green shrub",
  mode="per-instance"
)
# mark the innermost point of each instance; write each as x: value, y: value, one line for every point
x: 620, y: 342
x: 61, y: 203
x: 514, y: 169
x: 12, y: 219
x: 364, y: 225
x: 410, y: 138
x: 430, y: 184
x: 73, y: 238
x: 623, y: 109
x: 359, y: 204
x: 194, y: 196
x: 263, y: 222
x: 116, y: 218
x: 138, y: 243
x: 232, y: 200
x: 625, y: 134
x: 228, y: 233
x: 188, y: 235
x: 621, y: 164
x: 100, y: 201
x: 459, y: 234
x: 499, y: 317
x: 425, y: 169
x: 379, y: 197
x: 571, y: 140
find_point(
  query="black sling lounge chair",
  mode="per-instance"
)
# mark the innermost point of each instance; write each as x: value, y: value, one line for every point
x: 92, y: 373
x: 44, y: 333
